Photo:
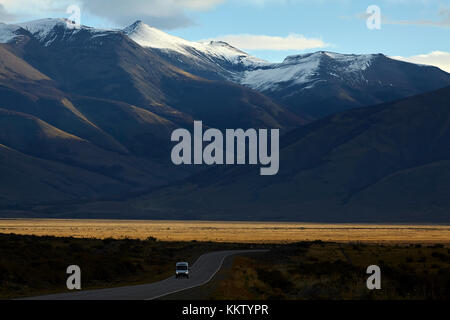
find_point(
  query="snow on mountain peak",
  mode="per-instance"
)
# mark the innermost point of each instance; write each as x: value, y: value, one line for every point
x: 46, y: 30
x: 302, y: 69
x: 150, y: 37
x: 363, y: 60
x: 8, y: 32
x: 306, y: 68
x: 299, y: 69
x: 43, y: 27
x: 133, y: 27
x: 223, y: 44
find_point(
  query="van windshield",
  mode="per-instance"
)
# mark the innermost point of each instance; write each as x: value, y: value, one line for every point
x: 182, y: 267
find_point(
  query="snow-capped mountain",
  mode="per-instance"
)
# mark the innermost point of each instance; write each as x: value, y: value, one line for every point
x: 109, y: 64
x: 314, y: 84
x: 149, y: 37
x: 214, y: 59
x: 87, y: 114
x: 323, y: 83
x: 46, y: 31
x: 8, y: 32
x: 305, y: 69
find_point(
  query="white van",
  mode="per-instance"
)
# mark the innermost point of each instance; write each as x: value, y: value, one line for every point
x: 182, y: 270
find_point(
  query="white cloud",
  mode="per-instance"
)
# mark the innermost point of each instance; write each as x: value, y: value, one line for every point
x: 34, y: 6
x: 263, y: 42
x: 199, y: 4
x: 4, y: 15
x: 443, y: 20
x: 18, y: 9
x: 165, y: 14
x: 438, y: 59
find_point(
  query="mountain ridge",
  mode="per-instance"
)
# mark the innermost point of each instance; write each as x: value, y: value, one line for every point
x: 117, y: 100
x: 94, y: 107
x: 387, y: 163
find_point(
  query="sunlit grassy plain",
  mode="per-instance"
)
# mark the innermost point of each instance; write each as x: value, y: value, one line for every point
x: 241, y: 232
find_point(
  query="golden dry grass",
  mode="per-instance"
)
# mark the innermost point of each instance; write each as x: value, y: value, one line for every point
x: 242, y: 232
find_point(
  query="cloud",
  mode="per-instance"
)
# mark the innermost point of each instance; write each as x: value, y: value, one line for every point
x: 19, y: 10
x: 438, y: 59
x: 165, y: 14
x: 263, y: 42
x: 31, y: 7
x: 199, y: 4
x: 4, y: 15
x: 443, y: 21
x: 159, y: 14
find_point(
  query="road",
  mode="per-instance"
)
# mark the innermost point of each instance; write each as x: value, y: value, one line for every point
x: 201, y: 272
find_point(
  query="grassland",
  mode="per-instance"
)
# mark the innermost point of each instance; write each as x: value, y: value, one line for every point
x: 31, y: 265
x: 335, y: 271
x: 241, y: 232
x: 306, y: 261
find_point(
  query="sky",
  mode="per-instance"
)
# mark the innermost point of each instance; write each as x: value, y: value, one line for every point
x: 412, y: 30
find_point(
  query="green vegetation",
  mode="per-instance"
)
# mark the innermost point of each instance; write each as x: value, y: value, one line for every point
x: 319, y: 270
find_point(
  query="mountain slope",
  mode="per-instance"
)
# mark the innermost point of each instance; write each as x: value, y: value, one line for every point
x: 311, y: 85
x: 32, y: 136
x: 84, y: 106
x: 92, y: 103
x: 14, y: 68
x: 41, y: 181
x: 382, y: 164
x: 213, y: 60
x: 105, y: 138
x: 109, y: 65
x: 137, y: 61
x: 325, y: 83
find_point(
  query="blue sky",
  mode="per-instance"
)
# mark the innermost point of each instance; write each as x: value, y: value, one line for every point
x: 410, y: 28
x: 337, y: 23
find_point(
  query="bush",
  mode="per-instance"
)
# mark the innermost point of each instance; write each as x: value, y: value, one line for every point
x: 275, y: 279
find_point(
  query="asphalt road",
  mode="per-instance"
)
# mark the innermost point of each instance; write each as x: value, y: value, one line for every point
x: 201, y: 272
